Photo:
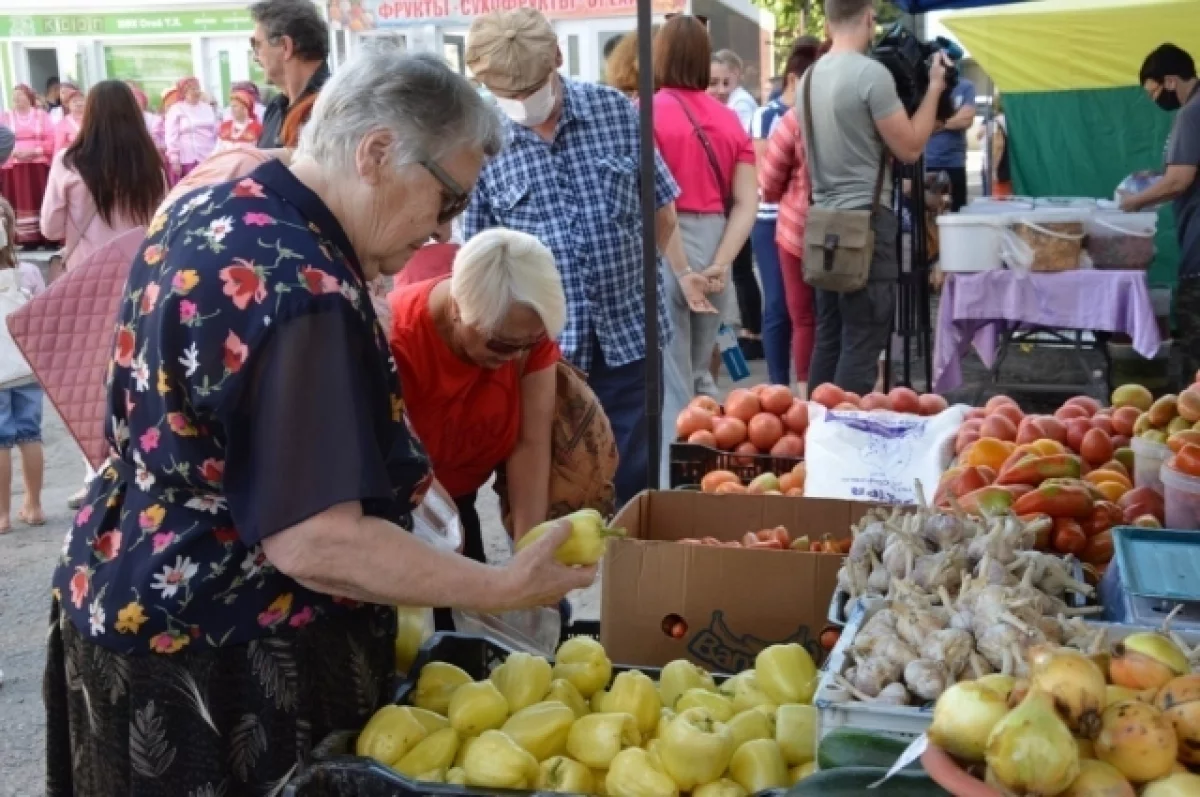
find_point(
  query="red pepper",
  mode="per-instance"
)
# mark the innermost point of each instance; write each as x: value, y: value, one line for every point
x: 1056, y: 501
x: 1035, y: 470
x: 990, y: 500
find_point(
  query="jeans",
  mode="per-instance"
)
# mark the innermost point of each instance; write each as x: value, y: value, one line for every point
x: 20, y: 415
x: 749, y: 298
x: 776, y: 326
x: 621, y: 391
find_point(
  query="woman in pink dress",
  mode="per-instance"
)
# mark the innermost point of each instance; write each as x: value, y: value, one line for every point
x: 68, y: 128
x: 23, y: 176
x: 191, y: 128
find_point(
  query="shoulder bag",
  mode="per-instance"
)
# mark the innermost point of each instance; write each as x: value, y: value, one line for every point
x: 838, y: 244
x: 723, y: 185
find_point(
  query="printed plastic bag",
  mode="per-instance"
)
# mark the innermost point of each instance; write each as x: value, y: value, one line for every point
x: 877, y: 456
x: 436, y: 520
x: 1136, y: 183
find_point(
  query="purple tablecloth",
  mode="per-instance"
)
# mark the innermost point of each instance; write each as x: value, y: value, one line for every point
x: 976, y: 308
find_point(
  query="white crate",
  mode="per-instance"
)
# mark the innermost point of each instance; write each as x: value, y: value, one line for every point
x: 836, y: 708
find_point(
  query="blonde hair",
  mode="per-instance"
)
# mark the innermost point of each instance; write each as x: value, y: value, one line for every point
x: 500, y: 267
x: 8, y: 218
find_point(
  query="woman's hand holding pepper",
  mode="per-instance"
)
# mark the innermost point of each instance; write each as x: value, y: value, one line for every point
x: 534, y: 578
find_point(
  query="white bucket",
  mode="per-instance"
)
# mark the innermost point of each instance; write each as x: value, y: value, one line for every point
x: 970, y: 242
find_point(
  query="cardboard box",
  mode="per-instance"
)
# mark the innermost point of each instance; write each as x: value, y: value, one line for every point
x: 733, y: 602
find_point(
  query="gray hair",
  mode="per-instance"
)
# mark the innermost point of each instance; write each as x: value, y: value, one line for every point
x: 730, y: 59
x: 430, y: 109
x: 500, y: 267
x: 299, y: 20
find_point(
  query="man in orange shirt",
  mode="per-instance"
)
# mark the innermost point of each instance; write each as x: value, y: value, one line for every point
x: 480, y: 345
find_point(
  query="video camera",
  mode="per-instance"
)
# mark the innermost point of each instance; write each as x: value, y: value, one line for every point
x: 908, y: 59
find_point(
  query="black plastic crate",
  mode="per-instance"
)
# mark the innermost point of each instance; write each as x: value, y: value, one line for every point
x: 689, y: 463
x: 336, y: 771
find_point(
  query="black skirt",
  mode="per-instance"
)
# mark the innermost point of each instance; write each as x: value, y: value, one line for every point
x: 226, y: 721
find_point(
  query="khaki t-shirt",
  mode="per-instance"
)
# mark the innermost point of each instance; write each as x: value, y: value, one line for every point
x: 849, y: 93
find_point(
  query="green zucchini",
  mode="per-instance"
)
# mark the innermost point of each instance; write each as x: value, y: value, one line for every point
x: 853, y: 782
x: 855, y: 747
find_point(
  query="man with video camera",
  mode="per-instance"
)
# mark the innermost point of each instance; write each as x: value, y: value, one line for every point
x: 852, y: 118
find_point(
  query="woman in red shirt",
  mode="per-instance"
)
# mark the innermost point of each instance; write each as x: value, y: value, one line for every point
x: 243, y: 129
x: 711, y: 157
x: 476, y: 354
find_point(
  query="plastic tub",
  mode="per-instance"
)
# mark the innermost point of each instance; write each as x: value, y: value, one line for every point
x: 1085, y: 202
x: 1048, y: 239
x: 1181, y: 494
x: 1119, y: 240
x: 970, y: 242
x: 990, y: 205
x: 1148, y: 459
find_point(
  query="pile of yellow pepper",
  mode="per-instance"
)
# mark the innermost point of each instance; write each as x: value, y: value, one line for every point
x: 533, y: 725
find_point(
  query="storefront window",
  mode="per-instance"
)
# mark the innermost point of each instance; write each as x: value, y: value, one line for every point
x: 155, y: 67
x: 573, y: 55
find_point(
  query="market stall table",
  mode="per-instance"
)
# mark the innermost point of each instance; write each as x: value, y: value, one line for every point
x: 992, y: 309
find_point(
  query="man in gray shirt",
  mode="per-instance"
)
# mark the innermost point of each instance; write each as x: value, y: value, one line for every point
x: 856, y: 114
x: 1169, y: 77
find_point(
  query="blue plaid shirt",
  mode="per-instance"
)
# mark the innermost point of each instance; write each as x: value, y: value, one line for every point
x: 579, y: 195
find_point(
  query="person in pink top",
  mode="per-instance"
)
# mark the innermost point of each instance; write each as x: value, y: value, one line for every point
x: 23, y: 175
x: 191, y: 128
x: 712, y: 158
x: 154, y: 122
x: 67, y: 129
x: 108, y: 181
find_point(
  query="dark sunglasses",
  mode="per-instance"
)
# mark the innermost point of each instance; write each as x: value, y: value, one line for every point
x: 454, y: 198
x: 703, y: 19
x: 504, y: 348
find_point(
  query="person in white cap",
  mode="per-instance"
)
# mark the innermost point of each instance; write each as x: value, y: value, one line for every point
x: 569, y: 175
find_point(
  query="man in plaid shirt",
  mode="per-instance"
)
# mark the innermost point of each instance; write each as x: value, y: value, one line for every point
x: 569, y: 175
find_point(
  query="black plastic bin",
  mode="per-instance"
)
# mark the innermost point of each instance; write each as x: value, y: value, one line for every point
x: 689, y: 463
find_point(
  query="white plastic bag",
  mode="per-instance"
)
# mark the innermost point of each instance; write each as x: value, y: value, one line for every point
x: 1015, y: 253
x: 877, y: 456
x: 436, y: 520
x: 530, y: 630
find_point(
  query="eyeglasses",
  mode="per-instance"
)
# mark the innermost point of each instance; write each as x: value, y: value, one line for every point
x: 255, y: 43
x: 454, y: 198
x: 505, y: 348
x: 703, y: 19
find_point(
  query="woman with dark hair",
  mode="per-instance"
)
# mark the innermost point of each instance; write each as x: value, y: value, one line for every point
x: 108, y: 181
x: 783, y: 179
x: 710, y: 154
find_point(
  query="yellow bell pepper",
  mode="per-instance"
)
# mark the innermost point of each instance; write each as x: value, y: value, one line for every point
x: 563, y: 774
x: 596, y: 739
x: 678, y: 677
x: 565, y: 692
x: 463, y: 746
x: 522, y: 679
x: 541, y: 728
x: 796, y: 733
x: 413, y: 627
x: 745, y: 692
x: 585, y: 546
x: 597, y: 703
x: 720, y: 788
x: 436, y: 684
x: 477, y: 707
x: 435, y: 752
x: 389, y: 734
x: 429, y: 721
x: 495, y: 761
x: 432, y: 776
x: 758, y: 765
x: 751, y: 724
x: 696, y: 748
x: 633, y: 692
x: 664, y: 719
x: 786, y: 673
x: 719, y: 706
x: 633, y: 775
x: 598, y: 776
x: 457, y: 776
x: 582, y: 661
x: 799, y: 773
x: 652, y: 749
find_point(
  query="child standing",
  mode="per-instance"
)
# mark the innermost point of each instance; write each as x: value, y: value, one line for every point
x: 20, y: 401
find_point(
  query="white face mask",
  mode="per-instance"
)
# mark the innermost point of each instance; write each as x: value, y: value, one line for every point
x: 531, y: 111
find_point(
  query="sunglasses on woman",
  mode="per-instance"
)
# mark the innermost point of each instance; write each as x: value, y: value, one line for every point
x: 454, y: 198
x: 505, y: 348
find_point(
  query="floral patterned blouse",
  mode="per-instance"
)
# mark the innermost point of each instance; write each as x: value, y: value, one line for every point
x: 251, y: 387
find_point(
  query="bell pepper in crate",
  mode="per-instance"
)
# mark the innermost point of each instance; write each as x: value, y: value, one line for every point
x: 796, y: 733
x: 436, y: 684
x: 759, y: 765
x: 596, y: 739
x: 786, y: 673
x: 435, y: 752
x: 477, y: 707
x: 541, y: 729
x: 495, y: 761
x: 564, y: 774
x: 696, y: 748
x: 634, y: 693
x: 522, y: 679
x: 1034, y: 470
x: 632, y: 773
x: 582, y: 661
x: 585, y: 546
x: 389, y: 734
x: 680, y: 675
x: 718, y: 705
x: 1056, y: 501
x: 565, y: 692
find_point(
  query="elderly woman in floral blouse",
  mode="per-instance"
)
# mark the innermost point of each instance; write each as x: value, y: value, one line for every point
x: 222, y: 598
